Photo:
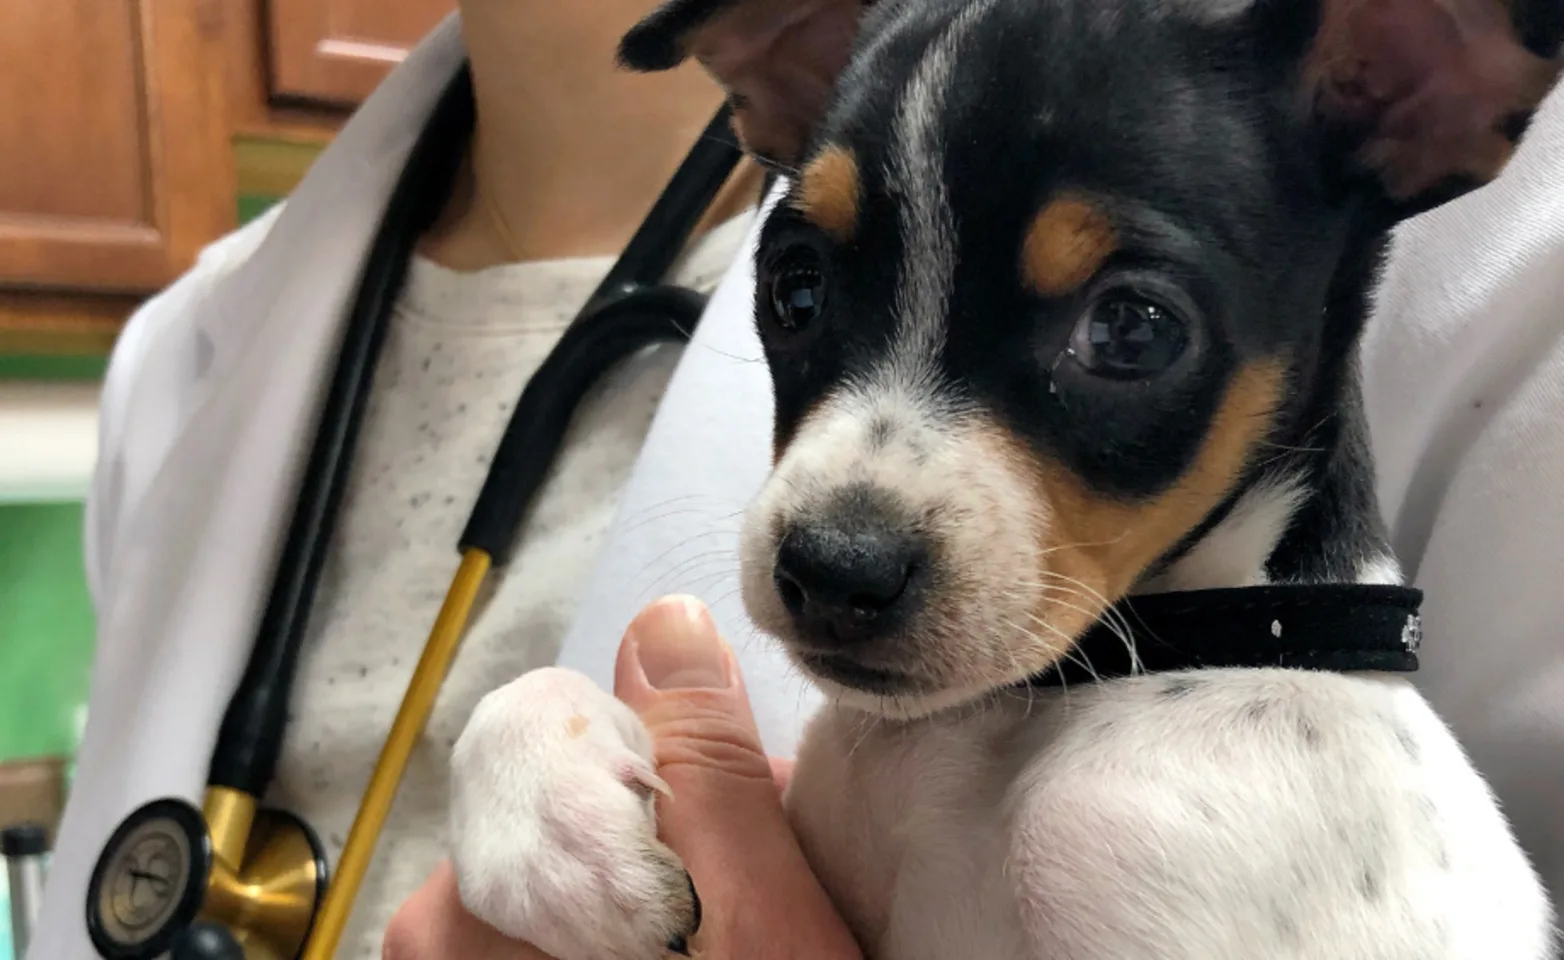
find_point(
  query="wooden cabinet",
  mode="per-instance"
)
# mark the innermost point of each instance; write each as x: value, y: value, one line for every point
x: 337, y: 51
x: 119, y: 121
x: 113, y: 162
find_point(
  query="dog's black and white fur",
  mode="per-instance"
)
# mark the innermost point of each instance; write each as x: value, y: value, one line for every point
x: 1062, y: 304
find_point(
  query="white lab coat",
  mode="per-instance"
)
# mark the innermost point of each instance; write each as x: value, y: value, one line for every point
x: 208, y: 409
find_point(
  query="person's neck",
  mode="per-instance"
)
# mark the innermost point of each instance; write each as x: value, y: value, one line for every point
x: 570, y: 151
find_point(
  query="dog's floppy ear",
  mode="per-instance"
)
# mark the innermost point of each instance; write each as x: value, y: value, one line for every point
x: 778, y: 60
x: 1428, y: 97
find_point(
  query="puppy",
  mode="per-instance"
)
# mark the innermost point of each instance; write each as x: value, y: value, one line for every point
x: 1062, y: 306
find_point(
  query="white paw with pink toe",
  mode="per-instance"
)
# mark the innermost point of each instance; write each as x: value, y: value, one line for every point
x: 553, y: 824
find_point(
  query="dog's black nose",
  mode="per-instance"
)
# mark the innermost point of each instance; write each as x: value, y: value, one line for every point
x: 849, y: 577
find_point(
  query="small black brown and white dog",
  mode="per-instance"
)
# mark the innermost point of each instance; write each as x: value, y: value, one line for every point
x: 1061, y: 306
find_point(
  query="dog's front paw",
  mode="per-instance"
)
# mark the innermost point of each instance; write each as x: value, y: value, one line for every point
x: 553, y: 824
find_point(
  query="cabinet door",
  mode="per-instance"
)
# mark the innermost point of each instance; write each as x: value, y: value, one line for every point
x: 337, y: 51
x: 114, y: 163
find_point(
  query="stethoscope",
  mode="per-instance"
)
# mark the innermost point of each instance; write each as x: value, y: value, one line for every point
x: 235, y: 880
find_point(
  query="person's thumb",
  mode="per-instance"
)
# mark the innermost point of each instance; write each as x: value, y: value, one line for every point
x: 678, y: 674
x: 724, y: 818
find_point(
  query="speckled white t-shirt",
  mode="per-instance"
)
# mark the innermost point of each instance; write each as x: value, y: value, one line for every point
x: 458, y: 353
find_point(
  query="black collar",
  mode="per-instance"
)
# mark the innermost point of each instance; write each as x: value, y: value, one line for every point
x: 1339, y: 627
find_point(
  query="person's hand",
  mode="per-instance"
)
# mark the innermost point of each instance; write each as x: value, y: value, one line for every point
x: 759, y: 898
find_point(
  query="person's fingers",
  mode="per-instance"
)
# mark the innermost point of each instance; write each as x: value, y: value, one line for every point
x: 781, y: 773
x: 725, y: 816
x: 433, y: 925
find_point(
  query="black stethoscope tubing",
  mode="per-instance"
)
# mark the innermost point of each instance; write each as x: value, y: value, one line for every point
x: 631, y: 309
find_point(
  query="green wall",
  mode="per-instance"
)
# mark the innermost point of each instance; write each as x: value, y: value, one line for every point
x: 46, y: 629
x: 46, y: 640
x: 46, y: 619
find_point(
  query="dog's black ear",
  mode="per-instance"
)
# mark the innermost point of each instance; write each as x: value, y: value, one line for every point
x: 1427, y: 97
x: 778, y: 60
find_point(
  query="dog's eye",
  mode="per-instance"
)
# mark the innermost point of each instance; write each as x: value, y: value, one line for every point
x: 798, y: 289
x: 1127, y: 337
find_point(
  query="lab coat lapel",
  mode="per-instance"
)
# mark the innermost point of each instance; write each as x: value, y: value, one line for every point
x: 191, y: 565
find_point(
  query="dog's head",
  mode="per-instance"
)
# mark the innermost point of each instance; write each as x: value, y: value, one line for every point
x: 1050, y: 279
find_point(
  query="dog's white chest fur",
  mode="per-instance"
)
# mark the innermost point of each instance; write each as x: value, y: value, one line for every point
x: 902, y: 823
x: 1224, y: 815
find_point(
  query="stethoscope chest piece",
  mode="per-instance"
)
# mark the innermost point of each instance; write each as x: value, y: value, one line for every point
x: 150, y: 881
x: 166, y: 884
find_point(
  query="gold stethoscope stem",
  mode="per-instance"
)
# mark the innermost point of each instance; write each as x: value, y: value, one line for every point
x: 444, y: 639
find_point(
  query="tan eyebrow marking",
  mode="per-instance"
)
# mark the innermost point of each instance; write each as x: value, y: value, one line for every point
x: 829, y: 192
x: 1067, y: 243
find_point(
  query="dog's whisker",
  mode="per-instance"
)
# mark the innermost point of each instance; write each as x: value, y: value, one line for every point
x: 1064, y: 654
x: 868, y: 724
x: 1108, y: 616
x: 1289, y: 448
x: 689, y: 337
x: 709, y: 525
x: 1015, y: 663
x: 724, y: 508
x: 1072, y: 653
x: 697, y: 585
x: 658, y: 560
x: 693, y: 498
x: 1082, y: 544
x: 677, y: 575
x: 727, y: 595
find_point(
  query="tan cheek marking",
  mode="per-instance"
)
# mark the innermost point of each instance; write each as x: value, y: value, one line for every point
x: 1066, y: 244
x: 1099, y: 547
x: 829, y: 192
x: 995, y: 447
x: 577, y: 725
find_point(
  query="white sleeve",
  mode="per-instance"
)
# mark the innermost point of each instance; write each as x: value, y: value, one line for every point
x: 1464, y: 386
x: 142, y: 401
x: 676, y: 529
